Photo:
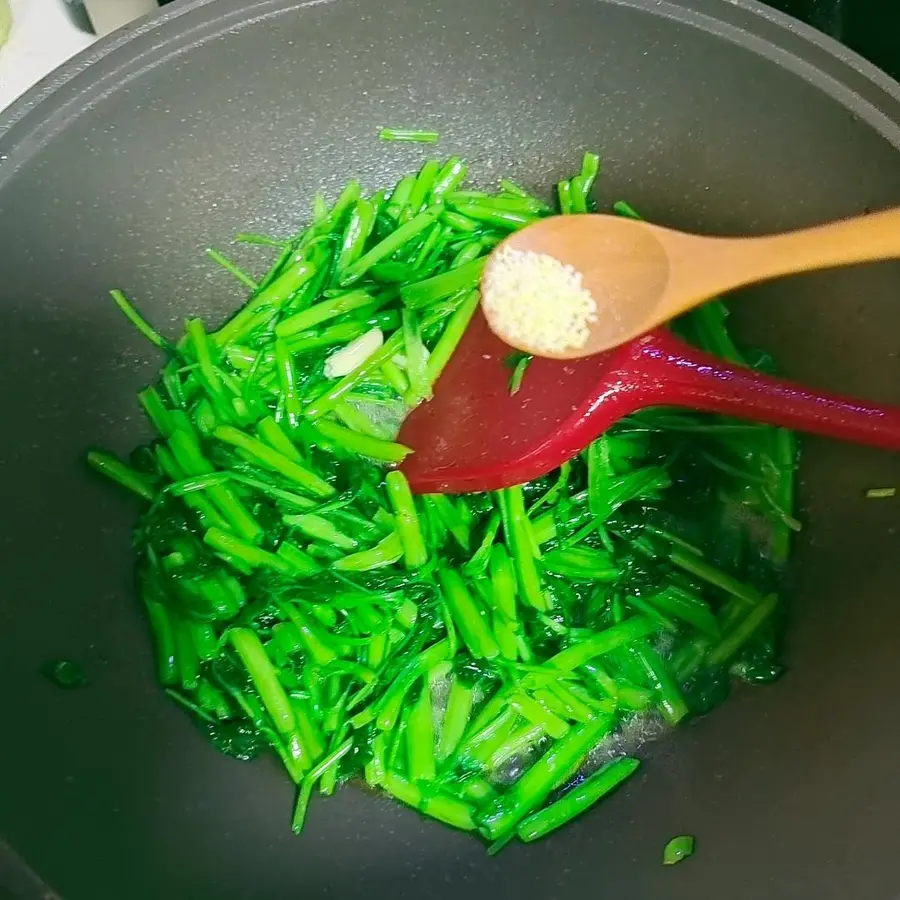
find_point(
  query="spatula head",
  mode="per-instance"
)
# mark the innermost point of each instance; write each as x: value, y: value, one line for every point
x: 475, y: 436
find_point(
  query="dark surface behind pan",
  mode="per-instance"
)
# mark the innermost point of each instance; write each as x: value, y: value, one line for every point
x: 228, y: 116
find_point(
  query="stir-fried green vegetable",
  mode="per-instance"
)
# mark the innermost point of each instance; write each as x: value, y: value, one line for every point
x: 475, y: 657
x: 411, y: 135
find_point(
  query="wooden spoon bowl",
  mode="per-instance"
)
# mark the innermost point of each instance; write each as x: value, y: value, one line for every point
x: 643, y: 275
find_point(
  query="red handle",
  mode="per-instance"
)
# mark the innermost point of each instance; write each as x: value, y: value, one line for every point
x: 672, y: 373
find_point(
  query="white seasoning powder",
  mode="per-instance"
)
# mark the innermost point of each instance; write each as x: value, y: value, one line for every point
x: 537, y: 302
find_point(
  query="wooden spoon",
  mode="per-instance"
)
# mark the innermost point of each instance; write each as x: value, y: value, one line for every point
x: 642, y: 275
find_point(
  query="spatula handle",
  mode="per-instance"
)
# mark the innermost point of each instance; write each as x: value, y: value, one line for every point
x: 675, y: 374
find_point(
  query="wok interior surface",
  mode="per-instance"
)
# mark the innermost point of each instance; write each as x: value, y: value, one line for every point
x: 228, y: 116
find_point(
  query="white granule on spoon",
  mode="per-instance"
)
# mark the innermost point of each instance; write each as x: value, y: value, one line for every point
x: 536, y: 302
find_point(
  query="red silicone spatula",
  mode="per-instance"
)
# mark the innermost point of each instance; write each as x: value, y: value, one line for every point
x: 474, y: 436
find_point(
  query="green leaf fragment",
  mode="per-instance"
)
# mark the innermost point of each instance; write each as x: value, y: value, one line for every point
x: 65, y: 673
x: 677, y: 849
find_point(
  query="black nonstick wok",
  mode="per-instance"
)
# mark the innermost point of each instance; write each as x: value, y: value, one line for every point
x: 224, y: 116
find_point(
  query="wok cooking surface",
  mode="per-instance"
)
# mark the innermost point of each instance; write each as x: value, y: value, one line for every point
x: 227, y: 116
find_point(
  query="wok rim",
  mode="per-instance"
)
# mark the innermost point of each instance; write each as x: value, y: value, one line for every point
x: 747, y: 22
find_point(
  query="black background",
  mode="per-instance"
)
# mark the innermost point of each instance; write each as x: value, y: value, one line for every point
x: 864, y: 25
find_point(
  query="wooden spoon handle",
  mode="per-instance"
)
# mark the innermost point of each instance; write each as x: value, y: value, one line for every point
x: 672, y: 373
x: 862, y: 239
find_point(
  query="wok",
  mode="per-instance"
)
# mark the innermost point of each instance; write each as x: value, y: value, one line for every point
x: 224, y: 116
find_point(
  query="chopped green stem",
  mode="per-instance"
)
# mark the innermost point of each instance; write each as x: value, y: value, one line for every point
x: 553, y: 769
x: 233, y: 268
x: 459, y: 222
x: 275, y: 461
x: 415, y: 553
x: 409, y: 135
x: 320, y: 529
x: 578, y: 799
x: 272, y: 433
x: 477, y: 750
x: 309, y: 634
x: 785, y: 457
x: 322, y: 312
x: 287, y: 378
x: 503, y: 581
x: 468, y: 617
x: 117, y: 471
x: 741, y: 632
x: 391, y: 704
x: 519, y: 539
x: 416, y: 359
x: 388, y: 246
x: 267, y: 301
x: 689, y: 608
x: 395, y: 377
x: 306, y: 787
x: 420, y: 739
x: 356, y: 419
x: 577, y: 195
x: 697, y: 567
x: 452, y: 335
x: 363, y: 444
x: 531, y: 710
x: 450, y: 516
x: 264, y: 677
x: 602, y: 642
x: 139, y: 322
x: 356, y: 233
x: 448, y: 179
x: 250, y: 237
x: 456, y: 717
x: 520, y: 741
x: 518, y: 373
x: 231, y: 545
x: 672, y: 704
x: 157, y: 412
x: 205, y: 641
x: 581, y: 564
x: 385, y: 553
x: 421, y: 189
x: 164, y: 640
x: 462, y: 278
x: 188, y: 455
